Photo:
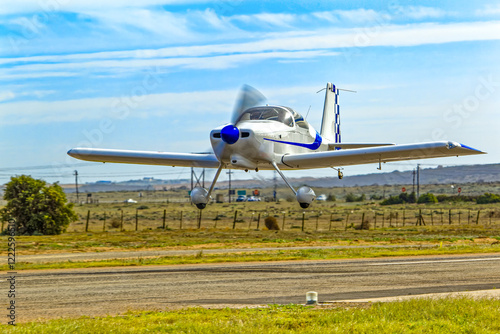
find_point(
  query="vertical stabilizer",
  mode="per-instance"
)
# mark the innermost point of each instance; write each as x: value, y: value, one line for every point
x: 330, y: 126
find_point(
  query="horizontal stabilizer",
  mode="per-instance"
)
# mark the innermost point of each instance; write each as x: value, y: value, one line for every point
x: 359, y: 156
x: 347, y: 146
x: 146, y: 157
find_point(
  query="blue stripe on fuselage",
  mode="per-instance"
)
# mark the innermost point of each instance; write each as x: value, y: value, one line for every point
x: 314, y: 146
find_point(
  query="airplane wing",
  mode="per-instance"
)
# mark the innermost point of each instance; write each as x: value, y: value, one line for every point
x: 381, y: 154
x: 146, y: 157
x: 344, y: 146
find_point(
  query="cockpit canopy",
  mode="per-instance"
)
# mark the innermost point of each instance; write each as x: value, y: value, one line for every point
x: 284, y: 115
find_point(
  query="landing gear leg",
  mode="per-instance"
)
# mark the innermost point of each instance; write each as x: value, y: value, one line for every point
x: 304, y: 195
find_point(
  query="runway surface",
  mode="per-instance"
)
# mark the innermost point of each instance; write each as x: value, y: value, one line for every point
x: 93, y: 292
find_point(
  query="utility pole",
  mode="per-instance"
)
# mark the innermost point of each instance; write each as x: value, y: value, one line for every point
x: 275, y: 187
x: 76, y: 186
x: 413, y: 189
x: 229, y: 173
x: 418, y: 181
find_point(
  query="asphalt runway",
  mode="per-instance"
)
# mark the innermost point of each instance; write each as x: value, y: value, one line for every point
x: 45, y: 294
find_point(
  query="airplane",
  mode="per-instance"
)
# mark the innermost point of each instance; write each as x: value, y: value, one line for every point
x: 273, y: 137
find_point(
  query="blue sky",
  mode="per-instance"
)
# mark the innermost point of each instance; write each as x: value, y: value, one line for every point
x: 159, y: 75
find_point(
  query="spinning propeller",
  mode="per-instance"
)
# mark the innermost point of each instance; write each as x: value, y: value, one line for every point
x: 249, y: 97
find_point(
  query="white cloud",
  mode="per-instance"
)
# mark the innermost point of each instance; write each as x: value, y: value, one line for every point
x: 489, y: 10
x: 78, y: 6
x: 303, y: 46
x: 419, y: 12
x: 36, y: 112
x: 6, y: 95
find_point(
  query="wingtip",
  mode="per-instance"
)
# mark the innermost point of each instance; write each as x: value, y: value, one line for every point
x: 472, y: 149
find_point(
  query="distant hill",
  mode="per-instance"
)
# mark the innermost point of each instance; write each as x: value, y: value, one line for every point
x: 440, y: 175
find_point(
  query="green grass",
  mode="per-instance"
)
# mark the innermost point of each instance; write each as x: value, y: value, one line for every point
x: 108, y: 241
x: 281, y: 255
x: 460, y: 315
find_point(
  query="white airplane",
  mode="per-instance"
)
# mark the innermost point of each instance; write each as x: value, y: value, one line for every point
x: 278, y: 138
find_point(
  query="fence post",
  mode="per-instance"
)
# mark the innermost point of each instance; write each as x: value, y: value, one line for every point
x: 459, y: 216
x: 258, y: 221
x: 216, y: 219
x: 303, y: 219
x: 346, y: 221
x: 404, y: 217
x: 317, y: 222
x: 449, y: 217
x: 283, y: 225
x: 390, y: 218
x: 104, y: 223
x: 136, y: 219
x: 362, y: 220
x: 199, y: 219
x: 121, y: 221
x: 468, y: 218
x: 432, y: 219
x: 180, y: 223
x: 375, y: 221
x: 477, y: 219
x: 87, y: 223
x: 383, y: 219
x: 330, y: 226
x: 235, y: 217
x: 164, y: 218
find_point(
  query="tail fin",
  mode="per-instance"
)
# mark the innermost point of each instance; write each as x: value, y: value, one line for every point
x: 330, y: 126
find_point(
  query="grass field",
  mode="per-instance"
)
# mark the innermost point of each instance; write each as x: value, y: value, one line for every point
x: 460, y: 315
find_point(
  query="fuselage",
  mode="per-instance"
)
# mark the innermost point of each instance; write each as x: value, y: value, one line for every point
x: 262, y: 135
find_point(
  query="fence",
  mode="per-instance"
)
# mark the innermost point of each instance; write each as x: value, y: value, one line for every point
x: 319, y: 220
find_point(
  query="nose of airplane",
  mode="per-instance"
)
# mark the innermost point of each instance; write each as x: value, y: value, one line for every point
x: 230, y: 134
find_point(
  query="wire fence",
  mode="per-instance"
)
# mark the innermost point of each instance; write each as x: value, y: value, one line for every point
x: 324, y: 220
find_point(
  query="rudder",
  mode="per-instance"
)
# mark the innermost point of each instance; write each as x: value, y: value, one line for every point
x: 330, y: 125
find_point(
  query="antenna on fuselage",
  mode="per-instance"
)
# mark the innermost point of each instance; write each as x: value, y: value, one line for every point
x: 308, y: 110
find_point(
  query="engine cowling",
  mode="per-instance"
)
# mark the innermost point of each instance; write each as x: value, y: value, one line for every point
x: 199, y: 197
x: 305, y: 196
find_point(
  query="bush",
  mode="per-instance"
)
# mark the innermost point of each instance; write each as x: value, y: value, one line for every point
x: 455, y: 198
x: 350, y: 197
x: 427, y: 198
x: 36, y: 207
x: 331, y: 198
x: 271, y: 224
x: 363, y: 226
x: 400, y: 199
x: 488, y: 198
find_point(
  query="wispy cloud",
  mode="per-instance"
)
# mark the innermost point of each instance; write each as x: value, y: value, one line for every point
x: 220, y: 56
x: 488, y: 10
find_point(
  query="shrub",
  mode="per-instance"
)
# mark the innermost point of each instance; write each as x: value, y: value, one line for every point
x: 350, y: 197
x: 400, y: 199
x: 488, y: 198
x: 427, y: 198
x: 271, y: 224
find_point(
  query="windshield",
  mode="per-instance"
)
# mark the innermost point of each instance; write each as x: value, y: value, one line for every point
x: 278, y: 114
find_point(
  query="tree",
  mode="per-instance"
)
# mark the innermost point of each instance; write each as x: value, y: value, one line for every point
x: 36, y: 207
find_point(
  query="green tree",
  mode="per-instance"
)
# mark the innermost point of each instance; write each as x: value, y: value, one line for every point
x: 36, y: 207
